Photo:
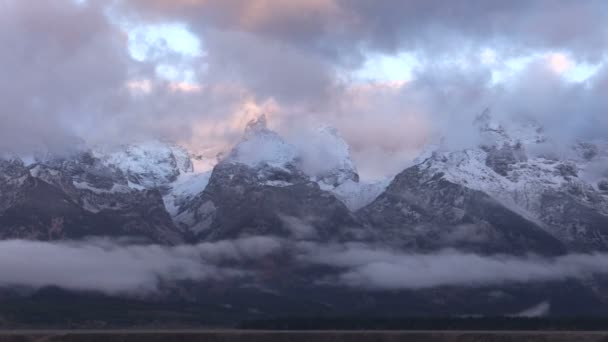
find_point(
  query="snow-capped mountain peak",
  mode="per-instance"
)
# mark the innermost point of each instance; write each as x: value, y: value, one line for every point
x: 261, y: 146
x: 257, y: 126
x: 320, y: 155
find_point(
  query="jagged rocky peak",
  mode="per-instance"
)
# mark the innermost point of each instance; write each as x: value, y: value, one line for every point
x: 257, y: 125
x: 485, y: 123
x: 504, y: 147
x: 324, y: 156
x: 494, y: 133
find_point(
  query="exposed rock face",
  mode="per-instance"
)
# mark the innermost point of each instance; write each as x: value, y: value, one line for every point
x: 12, y: 176
x: 587, y: 150
x: 567, y: 170
x: 582, y: 227
x: 501, y: 160
x: 603, y: 185
x: 44, y: 212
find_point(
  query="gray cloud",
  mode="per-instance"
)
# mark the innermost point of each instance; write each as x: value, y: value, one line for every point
x: 59, y: 60
x: 70, y: 75
x: 123, y: 268
x: 117, y: 267
x: 69, y: 79
x: 370, y: 267
x: 340, y: 29
x: 444, y: 27
x: 271, y: 68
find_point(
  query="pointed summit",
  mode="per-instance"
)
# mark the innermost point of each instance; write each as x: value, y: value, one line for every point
x: 486, y: 122
x: 259, y: 124
x: 484, y: 118
x: 261, y: 146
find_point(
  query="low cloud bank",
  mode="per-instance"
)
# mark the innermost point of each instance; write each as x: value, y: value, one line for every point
x: 118, y: 267
x: 367, y: 267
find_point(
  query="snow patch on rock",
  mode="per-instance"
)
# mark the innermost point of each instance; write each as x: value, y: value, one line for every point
x: 356, y: 195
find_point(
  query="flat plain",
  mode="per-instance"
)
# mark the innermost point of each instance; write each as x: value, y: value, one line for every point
x: 150, y: 335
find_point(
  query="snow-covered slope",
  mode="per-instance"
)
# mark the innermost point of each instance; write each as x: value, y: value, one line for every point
x: 559, y: 191
x: 356, y: 195
x: 148, y: 164
x: 184, y: 189
x: 158, y: 165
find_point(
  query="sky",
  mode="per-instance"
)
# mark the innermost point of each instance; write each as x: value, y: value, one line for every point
x: 390, y: 76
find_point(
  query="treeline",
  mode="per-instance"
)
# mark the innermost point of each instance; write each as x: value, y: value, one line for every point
x: 430, y: 323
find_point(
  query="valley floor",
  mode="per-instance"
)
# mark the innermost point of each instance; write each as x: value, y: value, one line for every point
x: 272, y: 336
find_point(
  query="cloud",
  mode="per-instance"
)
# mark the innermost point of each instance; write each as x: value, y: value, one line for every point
x: 270, y: 68
x: 53, y: 72
x: 117, y: 267
x: 126, y: 268
x: 69, y: 80
x: 72, y: 78
x: 340, y: 29
x: 364, y: 266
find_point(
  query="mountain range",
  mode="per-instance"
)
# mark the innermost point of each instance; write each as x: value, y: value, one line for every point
x: 510, y: 195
